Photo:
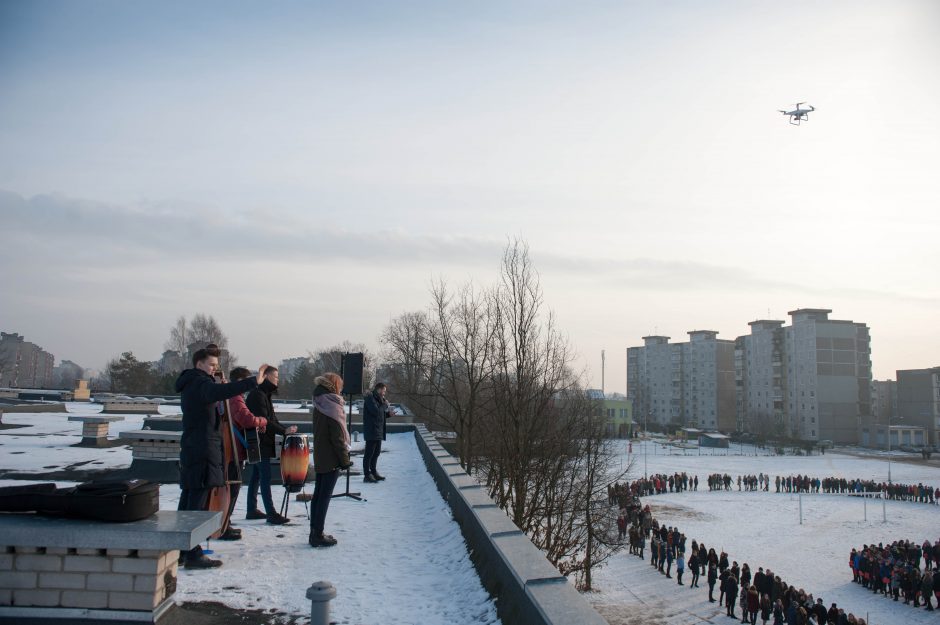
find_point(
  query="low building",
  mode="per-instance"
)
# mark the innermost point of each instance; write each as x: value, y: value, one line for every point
x: 918, y: 400
x: 619, y: 413
x: 875, y: 436
x: 713, y: 439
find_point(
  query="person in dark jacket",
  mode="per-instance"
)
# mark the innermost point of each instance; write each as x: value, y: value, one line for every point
x: 730, y: 588
x: 330, y: 451
x: 712, y: 578
x: 201, y: 451
x: 375, y: 411
x: 260, y: 404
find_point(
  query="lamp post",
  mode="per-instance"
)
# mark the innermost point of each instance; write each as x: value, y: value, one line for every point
x: 646, y: 442
x: 888, y: 434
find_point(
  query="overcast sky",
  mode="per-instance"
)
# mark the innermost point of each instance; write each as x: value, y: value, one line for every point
x: 302, y: 171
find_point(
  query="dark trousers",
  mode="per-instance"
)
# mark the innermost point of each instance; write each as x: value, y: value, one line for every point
x: 261, y: 479
x: 322, y: 494
x: 194, y: 499
x: 371, y: 456
x: 695, y: 576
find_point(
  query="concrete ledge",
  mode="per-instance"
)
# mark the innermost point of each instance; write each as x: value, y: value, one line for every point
x: 15, y: 615
x: 96, y: 418
x: 167, y: 530
x: 131, y: 406
x: 152, y: 435
x: 95, y: 429
x: 30, y: 408
x: 527, y: 588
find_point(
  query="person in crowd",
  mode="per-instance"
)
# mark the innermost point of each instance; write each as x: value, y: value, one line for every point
x: 260, y: 404
x: 730, y: 589
x: 201, y: 448
x: 766, y: 607
x: 330, y: 452
x: 375, y: 412
x: 712, y: 579
x: 926, y: 586
x: 693, y: 566
x: 680, y: 567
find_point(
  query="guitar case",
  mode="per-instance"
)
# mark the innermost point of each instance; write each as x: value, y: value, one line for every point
x: 119, y: 501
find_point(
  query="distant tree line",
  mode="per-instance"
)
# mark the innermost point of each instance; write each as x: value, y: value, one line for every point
x: 128, y: 375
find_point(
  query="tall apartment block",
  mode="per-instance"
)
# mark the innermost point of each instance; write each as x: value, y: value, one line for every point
x: 810, y: 380
x: 686, y: 384
x: 884, y: 401
x: 918, y: 400
x: 24, y: 364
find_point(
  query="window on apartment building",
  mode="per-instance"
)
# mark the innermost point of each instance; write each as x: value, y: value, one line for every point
x: 813, y: 433
x: 812, y: 393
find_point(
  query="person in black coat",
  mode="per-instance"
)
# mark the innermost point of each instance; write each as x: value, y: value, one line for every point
x: 201, y: 451
x: 712, y: 578
x: 730, y: 588
x: 375, y: 411
x: 260, y: 404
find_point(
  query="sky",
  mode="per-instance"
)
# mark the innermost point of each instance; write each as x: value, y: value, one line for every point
x: 304, y: 171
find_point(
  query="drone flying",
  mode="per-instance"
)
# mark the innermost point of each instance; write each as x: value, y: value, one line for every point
x: 799, y: 114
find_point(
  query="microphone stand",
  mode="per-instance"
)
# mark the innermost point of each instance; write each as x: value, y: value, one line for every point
x: 348, y: 493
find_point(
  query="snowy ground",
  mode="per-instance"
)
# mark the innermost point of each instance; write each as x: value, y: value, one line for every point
x: 401, y: 558
x: 763, y: 529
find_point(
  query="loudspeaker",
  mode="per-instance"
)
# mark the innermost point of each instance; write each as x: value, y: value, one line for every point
x: 351, y: 370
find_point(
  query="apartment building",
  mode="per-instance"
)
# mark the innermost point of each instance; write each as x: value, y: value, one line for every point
x: 688, y: 384
x: 810, y: 380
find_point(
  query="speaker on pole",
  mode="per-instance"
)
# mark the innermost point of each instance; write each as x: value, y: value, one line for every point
x: 351, y: 370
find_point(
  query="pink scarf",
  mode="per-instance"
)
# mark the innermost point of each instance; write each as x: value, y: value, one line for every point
x: 331, y: 405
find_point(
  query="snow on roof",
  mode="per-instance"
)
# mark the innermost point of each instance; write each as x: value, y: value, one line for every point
x: 401, y: 558
x: 713, y: 435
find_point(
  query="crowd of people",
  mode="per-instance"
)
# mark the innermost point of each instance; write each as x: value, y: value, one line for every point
x: 894, y: 571
x: 622, y: 493
x: 748, y: 595
x: 919, y: 493
x: 659, y: 484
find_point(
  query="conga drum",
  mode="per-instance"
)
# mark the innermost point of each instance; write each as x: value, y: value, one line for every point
x: 294, y: 462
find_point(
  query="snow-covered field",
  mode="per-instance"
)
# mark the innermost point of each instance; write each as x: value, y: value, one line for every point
x: 401, y: 558
x: 763, y: 529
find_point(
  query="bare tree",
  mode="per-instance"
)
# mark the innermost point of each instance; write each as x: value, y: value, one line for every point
x: 492, y: 365
x: 178, y: 343
x: 205, y: 329
x: 202, y: 330
x: 331, y: 359
x: 407, y: 362
x: 462, y: 332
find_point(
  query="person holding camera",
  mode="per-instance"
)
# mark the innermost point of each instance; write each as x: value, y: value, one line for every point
x: 201, y: 453
x: 375, y: 411
x: 330, y: 451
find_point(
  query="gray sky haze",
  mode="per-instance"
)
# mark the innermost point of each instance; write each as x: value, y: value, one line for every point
x: 303, y: 171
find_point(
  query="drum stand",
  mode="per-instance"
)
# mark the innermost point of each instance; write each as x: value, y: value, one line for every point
x: 351, y: 495
x: 285, y: 502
